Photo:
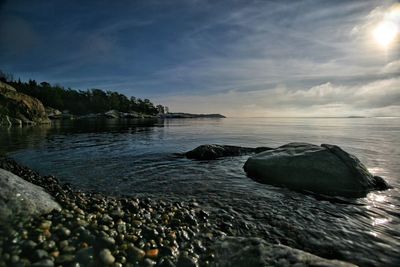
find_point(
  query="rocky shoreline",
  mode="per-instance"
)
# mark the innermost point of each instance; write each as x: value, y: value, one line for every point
x: 18, y: 109
x: 97, y: 230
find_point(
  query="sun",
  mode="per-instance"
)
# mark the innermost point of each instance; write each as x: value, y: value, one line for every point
x: 385, y: 33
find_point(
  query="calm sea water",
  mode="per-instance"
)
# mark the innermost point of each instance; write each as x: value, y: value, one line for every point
x: 137, y: 158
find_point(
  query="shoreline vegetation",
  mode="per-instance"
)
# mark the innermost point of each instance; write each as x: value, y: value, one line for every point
x: 30, y: 103
x: 94, y: 229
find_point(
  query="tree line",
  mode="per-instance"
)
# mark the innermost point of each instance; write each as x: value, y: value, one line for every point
x: 80, y: 102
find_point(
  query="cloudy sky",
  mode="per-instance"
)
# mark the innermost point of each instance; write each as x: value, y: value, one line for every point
x: 235, y: 57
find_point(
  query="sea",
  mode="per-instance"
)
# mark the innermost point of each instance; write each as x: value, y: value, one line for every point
x: 141, y: 158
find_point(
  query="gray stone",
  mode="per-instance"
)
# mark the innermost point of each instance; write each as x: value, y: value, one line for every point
x: 243, y: 252
x: 325, y: 169
x: 19, y: 198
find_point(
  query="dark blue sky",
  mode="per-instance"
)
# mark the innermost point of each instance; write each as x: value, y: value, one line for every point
x: 234, y: 57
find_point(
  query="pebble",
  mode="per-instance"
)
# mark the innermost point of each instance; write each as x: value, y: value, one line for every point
x: 106, y: 257
x: 137, y: 253
x: 43, y: 263
x: 65, y: 258
x: 45, y: 225
x: 85, y: 256
x: 186, y: 261
x: 165, y: 262
x: 148, y: 263
x: 39, y: 254
x: 152, y: 253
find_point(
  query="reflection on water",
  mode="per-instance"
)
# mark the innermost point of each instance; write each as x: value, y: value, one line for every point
x: 137, y: 158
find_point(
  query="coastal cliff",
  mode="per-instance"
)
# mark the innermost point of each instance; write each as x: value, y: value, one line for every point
x: 17, y: 108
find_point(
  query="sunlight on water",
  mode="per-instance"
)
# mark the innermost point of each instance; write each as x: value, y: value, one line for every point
x: 379, y: 221
x: 373, y: 197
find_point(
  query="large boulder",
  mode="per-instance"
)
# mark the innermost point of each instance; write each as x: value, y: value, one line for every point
x: 19, y: 199
x: 243, y: 252
x: 16, y: 107
x: 325, y: 169
x: 211, y: 152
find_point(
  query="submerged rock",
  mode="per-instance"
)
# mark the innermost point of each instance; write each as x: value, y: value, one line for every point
x: 242, y: 252
x: 210, y: 152
x: 21, y: 198
x: 325, y: 169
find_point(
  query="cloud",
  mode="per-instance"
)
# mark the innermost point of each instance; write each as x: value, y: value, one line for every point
x: 392, y: 67
x: 263, y: 58
x: 371, y: 99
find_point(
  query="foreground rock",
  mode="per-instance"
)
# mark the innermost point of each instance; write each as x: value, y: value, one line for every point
x: 211, y: 152
x: 243, y: 252
x: 17, y: 108
x: 325, y: 169
x: 20, y: 199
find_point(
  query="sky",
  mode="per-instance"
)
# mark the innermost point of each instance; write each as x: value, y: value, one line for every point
x: 240, y: 58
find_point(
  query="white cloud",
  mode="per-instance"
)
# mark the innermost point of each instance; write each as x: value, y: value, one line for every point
x: 392, y: 67
x: 378, y: 98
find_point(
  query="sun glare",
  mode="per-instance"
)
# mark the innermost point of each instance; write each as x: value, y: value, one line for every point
x: 387, y: 31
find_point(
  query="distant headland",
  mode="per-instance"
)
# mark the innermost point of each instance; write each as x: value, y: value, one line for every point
x: 30, y: 103
x: 180, y: 115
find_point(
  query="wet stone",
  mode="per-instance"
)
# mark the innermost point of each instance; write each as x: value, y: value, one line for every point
x: 165, y: 262
x: 186, y: 261
x: 28, y: 246
x: 166, y: 251
x: 148, y: 263
x: 39, y: 254
x: 65, y: 259
x: 43, y: 263
x: 64, y: 232
x: 85, y: 256
x: 135, y: 252
x: 106, y: 257
x: 63, y: 244
x: 105, y: 242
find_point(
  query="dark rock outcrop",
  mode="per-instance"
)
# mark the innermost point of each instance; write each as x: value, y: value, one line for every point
x: 211, y: 152
x: 18, y: 108
x: 325, y: 169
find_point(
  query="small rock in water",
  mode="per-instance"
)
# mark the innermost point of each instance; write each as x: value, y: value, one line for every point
x: 325, y: 169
